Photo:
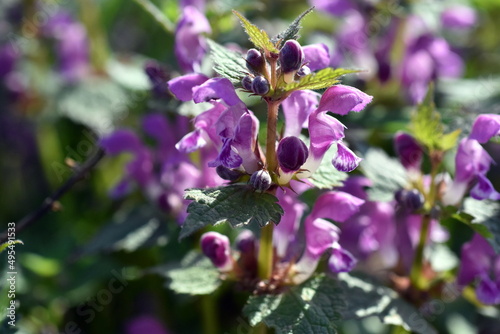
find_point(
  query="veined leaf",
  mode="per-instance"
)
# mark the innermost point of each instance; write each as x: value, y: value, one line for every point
x: 227, y: 63
x: 257, y: 36
x: 312, y: 307
x: 237, y: 204
x: 292, y: 32
x: 322, y: 79
x: 486, y: 213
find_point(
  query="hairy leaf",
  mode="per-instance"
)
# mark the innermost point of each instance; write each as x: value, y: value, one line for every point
x: 322, y: 79
x: 486, y: 213
x: 292, y: 32
x: 195, y: 275
x: 367, y: 298
x: 386, y: 173
x: 237, y: 204
x: 427, y: 127
x: 227, y: 63
x: 258, y: 37
x: 312, y: 307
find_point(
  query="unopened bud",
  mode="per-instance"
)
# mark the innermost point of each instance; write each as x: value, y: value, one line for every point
x: 409, y: 151
x: 411, y: 200
x: 245, y: 242
x: 227, y: 173
x: 255, y: 61
x: 304, y: 70
x: 292, y: 153
x: 291, y: 56
x: 261, y: 180
x: 260, y: 85
x: 216, y: 247
x: 246, y: 82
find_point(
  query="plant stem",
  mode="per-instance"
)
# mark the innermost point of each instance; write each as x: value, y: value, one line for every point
x: 266, y: 251
x: 259, y: 329
x: 209, y: 309
x: 416, y: 269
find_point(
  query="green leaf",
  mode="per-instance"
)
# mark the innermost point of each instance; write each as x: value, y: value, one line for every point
x: 367, y: 298
x: 258, y: 37
x: 322, y: 79
x: 127, y: 231
x: 427, y: 128
x: 386, y: 173
x: 94, y: 102
x: 227, y: 63
x: 292, y: 32
x: 327, y: 176
x: 486, y: 213
x: 157, y: 15
x: 312, y: 307
x: 468, y: 219
x: 195, y: 275
x: 129, y: 72
x: 9, y: 243
x: 237, y: 204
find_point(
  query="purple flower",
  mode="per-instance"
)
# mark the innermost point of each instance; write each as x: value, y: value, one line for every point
x: 158, y: 77
x: 485, y: 127
x: 458, y: 17
x: 325, y: 130
x: 217, y: 248
x: 481, y: 265
x: 190, y: 46
x: 8, y: 59
x: 182, y: 87
x: 145, y: 324
x: 409, y: 151
x: 317, y: 56
x: 297, y: 107
x: 333, y: 7
x: 291, y: 153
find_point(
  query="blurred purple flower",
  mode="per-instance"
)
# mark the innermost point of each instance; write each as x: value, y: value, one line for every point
x: 217, y: 248
x: 8, y: 59
x: 458, y: 17
x: 333, y: 7
x: 145, y: 324
x: 409, y: 151
x: 190, y: 46
x: 481, y: 265
x: 485, y: 127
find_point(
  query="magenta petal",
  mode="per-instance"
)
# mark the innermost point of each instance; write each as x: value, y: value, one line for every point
x: 285, y: 232
x: 320, y: 236
x: 317, y: 56
x: 475, y: 259
x: 409, y: 151
x: 182, y: 87
x: 227, y: 156
x: 341, y: 99
x: 336, y: 205
x: 459, y: 17
x: 217, y: 248
x: 297, y: 108
x: 485, y: 127
x: 191, y: 142
x: 120, y: 141
x: 216, y: 88
x: 324, y: 130
x: 244, y: 141
x: 484, y: 189
x: 471, y: 160
x: 345, y: 160
x: 341, y: 261
x: 487, y: 291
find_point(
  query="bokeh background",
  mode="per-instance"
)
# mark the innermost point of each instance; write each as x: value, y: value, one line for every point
x: 74, y: 71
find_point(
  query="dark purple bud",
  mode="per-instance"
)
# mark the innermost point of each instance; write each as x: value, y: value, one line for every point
x: 260, y: 85
x: 247, y: 83
x: 255, y: 61
x: 411, y: 200
x: 158, y: 77
x: 261, y: 180
x: 291, y: 56
x: 292, y: 153
x: 409, y: 151
x: 227, y: 173
x: 245, y: 242
x: 216, y: 247
x: 304, y: 70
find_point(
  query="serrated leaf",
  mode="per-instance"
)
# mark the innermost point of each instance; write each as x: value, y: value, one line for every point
x: 327, y: 176
x: 257, y: 36
x: 8, y: 243
x: 486, y: 213
x: 292, y: 32
x: 427, y: 128
x: 322, y: 79
x: 386, y: 173
x: 312, y: 307
x: 367, y: 298
x: 195, y: 275
x: 237, y: 205
x: 227, y: 63
x: 128, y: 230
